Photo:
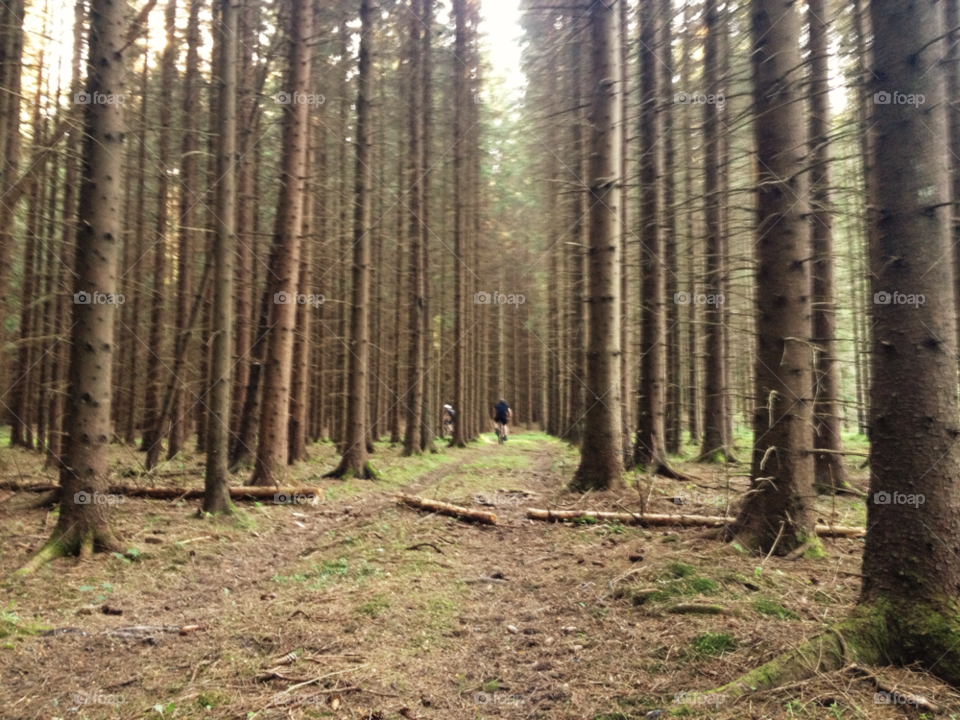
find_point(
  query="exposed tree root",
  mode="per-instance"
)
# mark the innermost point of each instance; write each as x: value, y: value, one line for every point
x: 346, y: 472
x: 62, y: 544
x: 877, y: 633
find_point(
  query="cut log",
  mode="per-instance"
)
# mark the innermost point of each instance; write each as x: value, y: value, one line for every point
x: 653, y: 519
x: 442, y: 508
x: 292, y: 494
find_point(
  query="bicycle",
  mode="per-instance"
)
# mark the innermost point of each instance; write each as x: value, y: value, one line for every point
x: 498, y: 427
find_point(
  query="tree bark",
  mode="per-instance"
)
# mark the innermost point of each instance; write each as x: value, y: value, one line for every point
x: 216, y: 498
x: 83, y: 525
x: 829, y: 470
x: 780, y: 503
x: 715, y: 440
x: 354, y: 462
x: 412, y: 397
x: 650, y: 450
x: 601, y: 461
x: 272, y: 449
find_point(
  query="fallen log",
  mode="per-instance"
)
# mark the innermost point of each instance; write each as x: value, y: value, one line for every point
x: 656, y: 519
x: 292, y: 494
x: 443, y: 508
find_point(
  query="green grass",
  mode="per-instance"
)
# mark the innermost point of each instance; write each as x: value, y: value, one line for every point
x: 375, y: 606
x: 768, y: 607
x: 713, y: 644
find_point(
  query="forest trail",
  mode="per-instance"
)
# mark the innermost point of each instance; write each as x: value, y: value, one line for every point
x: 403, y: 612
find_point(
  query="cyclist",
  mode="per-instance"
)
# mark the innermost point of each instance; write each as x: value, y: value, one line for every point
x: 448, y: 416
x: 501, y: 417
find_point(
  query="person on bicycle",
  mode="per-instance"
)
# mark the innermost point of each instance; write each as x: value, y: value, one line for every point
x: 501, y: 417
x: 448, y: 415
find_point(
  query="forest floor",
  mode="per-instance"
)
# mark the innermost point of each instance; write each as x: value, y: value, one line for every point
x: 352, y: 606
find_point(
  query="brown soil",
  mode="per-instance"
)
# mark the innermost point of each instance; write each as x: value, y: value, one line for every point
x: 367, y: 609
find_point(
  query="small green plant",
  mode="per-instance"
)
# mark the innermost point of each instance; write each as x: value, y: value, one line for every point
x: 714, y: 644
x: 768, y: 607
x: 375, y: 606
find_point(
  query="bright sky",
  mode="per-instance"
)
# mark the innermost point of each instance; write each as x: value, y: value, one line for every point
x: 500, y: 25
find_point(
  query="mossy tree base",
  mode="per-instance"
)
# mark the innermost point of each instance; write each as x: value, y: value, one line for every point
x: 72, y: 542
x: 878, y: 633
x: 347, y: 470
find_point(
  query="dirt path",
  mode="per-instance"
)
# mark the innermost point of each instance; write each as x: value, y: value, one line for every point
x: 356, y: 606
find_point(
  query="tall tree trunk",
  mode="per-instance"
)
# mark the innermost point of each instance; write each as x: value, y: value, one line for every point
x: 188, y: 198
x: 650, y: 451
x: 11, y: 16
x: 272, y: 447
x: 914, y: 399
x: 601, y: 462
x: 156, y: 429
x: 673, y: 425
x: 83, y: 525
x: 715, y: 441
x: 354, y: 462
x: 216, y: 497
x: 427, y: 431
x: 246, y: 219
x: 412, y: 398
x: 778, y: 510
x: 577, y: 249
x: 134, y: 411
x: 68, y: 232
x: 829, y: 470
